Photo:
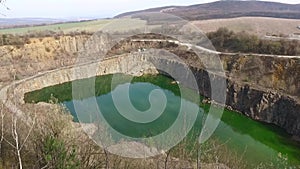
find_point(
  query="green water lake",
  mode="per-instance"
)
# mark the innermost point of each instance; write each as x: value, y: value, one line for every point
x: 255, y: 141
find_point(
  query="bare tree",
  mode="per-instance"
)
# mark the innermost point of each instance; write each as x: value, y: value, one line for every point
x: 18, y: 144
x: 16, y: 138
x: 106, y: 159
x: 167, y: 158
x: 2, y: 125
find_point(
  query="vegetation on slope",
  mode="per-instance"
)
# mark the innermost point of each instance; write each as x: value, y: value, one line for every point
x: 225, y: 40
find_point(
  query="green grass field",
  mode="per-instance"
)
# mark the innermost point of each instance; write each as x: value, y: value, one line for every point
x: 90, y: 26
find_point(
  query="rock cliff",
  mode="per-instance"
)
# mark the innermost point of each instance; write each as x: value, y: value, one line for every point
x: 264, y: 88
x: 38, y: 54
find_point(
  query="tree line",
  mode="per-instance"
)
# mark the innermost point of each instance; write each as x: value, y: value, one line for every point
x: 225, y: 40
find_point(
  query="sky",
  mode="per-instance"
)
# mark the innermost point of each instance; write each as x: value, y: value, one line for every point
x: 88, y: 8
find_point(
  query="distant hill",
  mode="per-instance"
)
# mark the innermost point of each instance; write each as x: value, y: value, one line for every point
x: 27, y: 22
x: 228, y: 9
x: 16, y: 22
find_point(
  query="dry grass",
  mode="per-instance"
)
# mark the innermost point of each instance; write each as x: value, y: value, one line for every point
x: 254, y: 25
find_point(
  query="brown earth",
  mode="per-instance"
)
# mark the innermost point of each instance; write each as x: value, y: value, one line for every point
x: 260, y: 26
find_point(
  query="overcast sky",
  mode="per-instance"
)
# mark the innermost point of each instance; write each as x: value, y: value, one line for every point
x: 89, y: 8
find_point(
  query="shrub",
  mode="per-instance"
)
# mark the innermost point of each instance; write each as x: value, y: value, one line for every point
x: 56, y: 154
x: 47, y: 49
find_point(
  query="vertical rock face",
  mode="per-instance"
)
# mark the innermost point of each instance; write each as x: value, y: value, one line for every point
x: 265, y: 88
x: 39, y: 54
x: 265, y: 106
x: 276, y: 73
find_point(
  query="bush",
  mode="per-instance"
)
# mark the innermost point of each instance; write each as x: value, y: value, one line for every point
x: 56, y: 154
x: 47, y: 49
x: 8, y: 39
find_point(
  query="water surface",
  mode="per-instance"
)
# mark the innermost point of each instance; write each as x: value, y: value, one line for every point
x: 255, y: 141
